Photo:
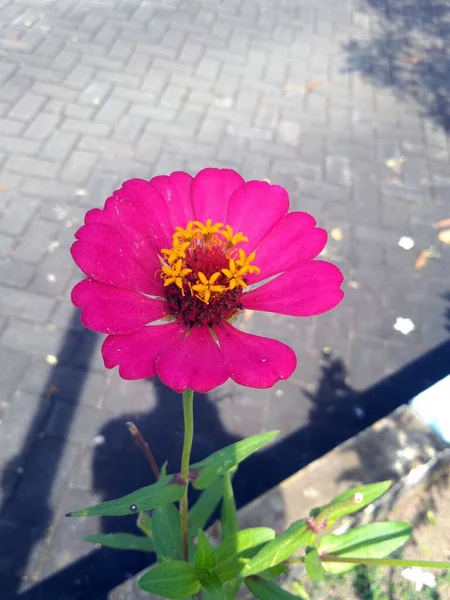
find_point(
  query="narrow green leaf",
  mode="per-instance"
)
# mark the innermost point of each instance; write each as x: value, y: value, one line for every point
x: 266, y: 590
x: 313, y: 565
x: 229, y: 518
x: 144, y: 522
x: 241, y: 541
x: 205, y: 558
x: 376, y: 540
x: 122, y: 541
x: 174, y: 580
x: 350, y: 501
x: 162, y: 492
x: 204, y: 507
x: 166, y: 529
x: 273, y: 573
x: 231, y: 588
x: 237, y: 549
x: 208, y: 470
x: 281, y: 548
x: 163, y: 470
x: 212, y: 589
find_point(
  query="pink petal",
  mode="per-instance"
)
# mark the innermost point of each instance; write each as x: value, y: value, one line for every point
x: 255, y: 361
x: 154, y: 213
x: 211, y: 192
x: 255, y: 209
x: 176, y: 191
x: 196, y: 363
x: 294, y: 240
x: 135, y: 353
x: 104, y: 255
x: 113, y: 310
x: 127, y: 219
x: 310, y: 289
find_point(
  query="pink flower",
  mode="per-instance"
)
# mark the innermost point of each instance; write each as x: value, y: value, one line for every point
x: 172, y: 262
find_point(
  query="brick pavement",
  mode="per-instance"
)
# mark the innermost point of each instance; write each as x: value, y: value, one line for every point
x: 344, y: 102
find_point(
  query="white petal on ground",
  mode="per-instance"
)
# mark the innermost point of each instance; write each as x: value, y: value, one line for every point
x: 419, y: 577
x: 406, y: 242
x: 404, y: 325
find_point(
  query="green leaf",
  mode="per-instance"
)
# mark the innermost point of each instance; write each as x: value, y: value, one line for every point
x: 174, y: 580
x: 208, y: 470
x: 313, y: 565
x: 273, y: 573
x: 235, y: 551
x: 163, y: 491
x: 231, y: 588
x: 241, y: 541
x: 281, y: 548
x: 229, y: 518
x: 122, y: 541
x: 163, y: 470
x: 167, y: 533
x: 212, y: 589
x: 350, y: 501
x: 204, y: 507
x: 144, y: 522
x: 266, y: 590
x: 376, y: 540
x: 205, y: 558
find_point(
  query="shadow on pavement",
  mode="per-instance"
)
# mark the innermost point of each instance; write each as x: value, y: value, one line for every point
x: 26, y: 508
x: 408, y: 50
x: 338, y: 413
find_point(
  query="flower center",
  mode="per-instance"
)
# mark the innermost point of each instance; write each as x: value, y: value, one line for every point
x: 205, y: 272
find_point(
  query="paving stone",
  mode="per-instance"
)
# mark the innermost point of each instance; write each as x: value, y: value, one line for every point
x: 15, y: 273
x: 36, y: 241
x: 17, y: 365
x: 27, y: 107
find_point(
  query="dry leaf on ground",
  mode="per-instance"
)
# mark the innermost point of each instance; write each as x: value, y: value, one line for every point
x: 444, y: 236
x: 312, y: 84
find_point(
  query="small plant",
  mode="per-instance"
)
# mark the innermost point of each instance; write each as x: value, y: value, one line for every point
x: 170, y: 265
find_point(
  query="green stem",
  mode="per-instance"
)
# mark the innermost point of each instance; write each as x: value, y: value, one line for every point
x: 390, y: 562
x: 188, y: 412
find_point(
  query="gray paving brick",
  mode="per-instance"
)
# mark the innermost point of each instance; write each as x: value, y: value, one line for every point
x: 337, y: 170
x: 85, y: 128
x: 65, y: 61
x: 80, y: 77
x: 79, y: 166
x: 35, y: 243
x: 76, y: 111
x: 31, y: 166
x: 18, y: 214
x: 15, y: 273
x: 10, y: 127
x: 39, y: 339
x: 59, y: 146
x: 95, y: 93
x: 16, y: 424
x: 20, y: 303
x: 61, y: 380
x: 6, y: 244
x: 111, y: 110
x: 10, y: 378
x: 42, y: 127
x: 14, y: 89
x: 14, y: 145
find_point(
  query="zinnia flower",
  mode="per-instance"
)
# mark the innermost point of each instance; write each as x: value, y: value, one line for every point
x: 173, y: 261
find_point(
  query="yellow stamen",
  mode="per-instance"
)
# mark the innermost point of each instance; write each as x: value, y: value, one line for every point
x: 175, y: 274
x: 201, y: 237
x: 235, y: 275
x: 206, y: 286
x: 178, y: 250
